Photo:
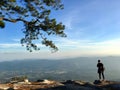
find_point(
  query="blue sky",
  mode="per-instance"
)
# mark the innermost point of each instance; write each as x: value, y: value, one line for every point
x: 92, y: 28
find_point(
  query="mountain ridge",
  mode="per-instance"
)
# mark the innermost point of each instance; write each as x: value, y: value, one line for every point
x: 83, y: 68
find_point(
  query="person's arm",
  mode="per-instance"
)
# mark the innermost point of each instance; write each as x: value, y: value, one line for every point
x: 103, y: 67
x: 97, y: 65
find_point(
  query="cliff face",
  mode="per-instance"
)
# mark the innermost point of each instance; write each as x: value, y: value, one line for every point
x: 65, y: 85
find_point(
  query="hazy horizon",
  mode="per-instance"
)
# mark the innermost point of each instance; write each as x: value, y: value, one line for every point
x: 50, y: 56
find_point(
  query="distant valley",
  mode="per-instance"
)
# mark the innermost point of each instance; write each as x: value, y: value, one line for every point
x: 82, y: 68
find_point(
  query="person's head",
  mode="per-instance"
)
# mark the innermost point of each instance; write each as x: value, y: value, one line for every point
x: 99, y: 61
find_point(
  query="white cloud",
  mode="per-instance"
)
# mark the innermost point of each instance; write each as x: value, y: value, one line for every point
x: 69, y: 48
x: 72, y: 45
x: 8, y: 45
x: 71, y: 17
x: 16, y: 40
x: 17, y: 47
x: 88, y: 47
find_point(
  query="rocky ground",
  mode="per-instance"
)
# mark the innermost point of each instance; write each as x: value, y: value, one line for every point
x: 64, y: 85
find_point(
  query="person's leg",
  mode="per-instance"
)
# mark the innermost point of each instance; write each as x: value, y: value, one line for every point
x: 103, y: 75
x: 99, y: 76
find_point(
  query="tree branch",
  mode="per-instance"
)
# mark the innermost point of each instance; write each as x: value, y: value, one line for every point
x: 13, y: 20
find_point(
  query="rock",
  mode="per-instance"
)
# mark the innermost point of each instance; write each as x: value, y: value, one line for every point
x: 26, y: 80
x: 47, y: 81
x: 97, y: 82
x: 10, y: 89
x: 65, y: 85
x: 40, y: 80
x: 4, y: 86
x: 69, y: 82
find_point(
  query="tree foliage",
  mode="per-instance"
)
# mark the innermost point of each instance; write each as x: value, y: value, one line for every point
x: 35, y: 16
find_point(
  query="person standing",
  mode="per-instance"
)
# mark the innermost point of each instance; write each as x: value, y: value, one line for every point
x: 100, y: 70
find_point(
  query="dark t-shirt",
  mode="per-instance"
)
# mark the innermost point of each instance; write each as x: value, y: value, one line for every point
x: 100, y: 67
